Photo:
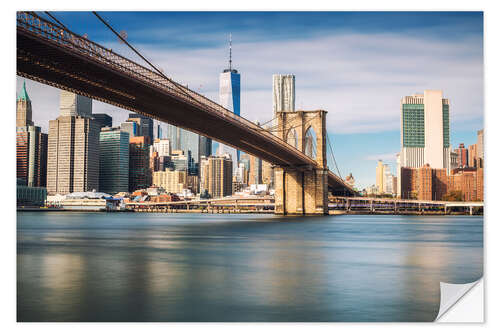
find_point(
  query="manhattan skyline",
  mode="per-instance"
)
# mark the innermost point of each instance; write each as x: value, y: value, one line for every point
x: 350, y: 64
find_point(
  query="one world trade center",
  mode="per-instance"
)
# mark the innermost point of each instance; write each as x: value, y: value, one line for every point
x: 229, y: 96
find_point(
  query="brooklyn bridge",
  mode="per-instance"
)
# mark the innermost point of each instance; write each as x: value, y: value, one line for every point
x: 50, y: 53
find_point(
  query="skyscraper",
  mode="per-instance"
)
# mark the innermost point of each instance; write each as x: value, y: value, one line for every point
x: 205, y: 147
x: 388, y: 180
x: 480, y: 144
x: 73, y: 147
x: 229, y: 96
x: 74, y: 105
x: 31, y: 155
x: 103, y: 119
x: 23, y: 109
x: 217, y: 176
x: 190, y: 143
x: 463, y: 156
x: 425, y: 130
x: 162, y: 147
x: 31, y: 145
x: 114, y: 160
x: 381, y: 172
x: 472, y: 161
x: 140, y: 176
x: 283, y: 92
x: 130, y: 127
x: 255, y: 171
x: 144, y: 125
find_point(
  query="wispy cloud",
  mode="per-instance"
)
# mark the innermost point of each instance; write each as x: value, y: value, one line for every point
x: 358, y: 78
x: 391, y: 157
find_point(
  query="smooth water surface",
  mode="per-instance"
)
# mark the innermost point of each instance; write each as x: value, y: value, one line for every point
x: 199, y: 267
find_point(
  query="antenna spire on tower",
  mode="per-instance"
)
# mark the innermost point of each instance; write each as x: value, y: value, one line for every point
x: 230, y: 51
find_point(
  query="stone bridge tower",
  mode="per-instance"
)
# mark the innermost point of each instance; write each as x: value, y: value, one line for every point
x: 303, y: 189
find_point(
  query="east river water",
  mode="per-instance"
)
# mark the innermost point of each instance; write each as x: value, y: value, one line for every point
x: 200, y: 267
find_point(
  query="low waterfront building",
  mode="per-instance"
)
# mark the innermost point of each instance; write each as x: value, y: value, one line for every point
x: 30, y: 195
x: 91, y: 201
x: 426, y: 183
x: 238, y: 186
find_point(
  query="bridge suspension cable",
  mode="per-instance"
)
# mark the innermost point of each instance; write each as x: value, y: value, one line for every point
x: 127, y: 43
x: 55, y: 19
x: 332, y: 154
x: 276, y: 128
x: 159, y: 72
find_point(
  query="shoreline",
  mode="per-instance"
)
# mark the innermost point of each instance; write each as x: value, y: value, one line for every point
x: 199, y: 211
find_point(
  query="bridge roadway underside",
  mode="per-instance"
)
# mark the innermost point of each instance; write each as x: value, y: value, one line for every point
x: 49, y: 63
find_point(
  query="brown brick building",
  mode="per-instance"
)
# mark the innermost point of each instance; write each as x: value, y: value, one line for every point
x: 426, y: 183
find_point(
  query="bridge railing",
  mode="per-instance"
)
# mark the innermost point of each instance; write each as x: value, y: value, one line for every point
x: 68, y: 39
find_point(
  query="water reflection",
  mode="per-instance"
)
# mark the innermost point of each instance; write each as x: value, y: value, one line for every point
x: 155, y: 267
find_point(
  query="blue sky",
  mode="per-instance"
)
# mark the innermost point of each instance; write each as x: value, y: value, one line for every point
x: 355, y: 65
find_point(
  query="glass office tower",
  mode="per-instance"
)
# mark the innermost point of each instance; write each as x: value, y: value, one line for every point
x: 113, y: 161
x: 229, y: 96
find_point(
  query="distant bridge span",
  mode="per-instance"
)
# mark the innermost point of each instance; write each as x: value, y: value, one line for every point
x: 52, y: 55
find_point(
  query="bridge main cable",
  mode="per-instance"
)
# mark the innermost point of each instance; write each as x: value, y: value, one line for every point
x: 128, y: 44
x: 54, y: 18
x: 159, y: 72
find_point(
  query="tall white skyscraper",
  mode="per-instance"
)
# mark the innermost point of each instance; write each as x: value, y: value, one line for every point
x: 75, y: 105
x: 229, y: 98
x: 283, y: 92
x: 425, y: 132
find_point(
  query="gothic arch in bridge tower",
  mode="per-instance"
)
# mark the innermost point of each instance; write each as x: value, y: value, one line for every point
x: 301, y: 189
x: 310, y: 143
x: 292, y: 138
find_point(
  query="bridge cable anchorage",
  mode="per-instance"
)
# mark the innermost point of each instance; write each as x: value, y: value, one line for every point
x: 159, y: 72
x: 333, y: 155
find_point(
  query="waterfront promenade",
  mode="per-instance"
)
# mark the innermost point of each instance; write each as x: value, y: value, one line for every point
x: 266, y: 205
